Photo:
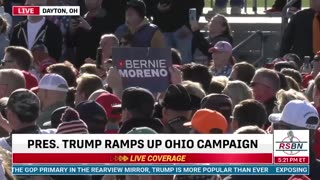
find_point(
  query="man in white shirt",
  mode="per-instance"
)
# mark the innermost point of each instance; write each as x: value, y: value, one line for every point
x: 38, y: 30
x: 33, y: 29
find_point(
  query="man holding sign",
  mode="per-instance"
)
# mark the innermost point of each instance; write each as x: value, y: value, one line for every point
x: 143, y: 67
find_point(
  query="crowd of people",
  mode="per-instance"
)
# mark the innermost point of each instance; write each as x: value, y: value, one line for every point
x: 50, y: 81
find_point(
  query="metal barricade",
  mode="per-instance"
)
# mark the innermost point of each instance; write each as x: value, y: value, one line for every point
x: 259, y: 34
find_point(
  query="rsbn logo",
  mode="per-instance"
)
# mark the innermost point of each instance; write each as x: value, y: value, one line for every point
x: 291, y: 145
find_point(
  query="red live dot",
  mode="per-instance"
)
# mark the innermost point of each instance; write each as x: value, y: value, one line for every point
x: 122, y: 63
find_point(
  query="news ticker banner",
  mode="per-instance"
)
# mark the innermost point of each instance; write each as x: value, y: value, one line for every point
x: 46, y: 10
x: 160, y: 169
x: 284, y: 147
x: 142, y: 149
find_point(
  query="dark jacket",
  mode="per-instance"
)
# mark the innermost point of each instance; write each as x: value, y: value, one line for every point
x: 176, y: 17
x: 279, y: 4
x: 176, y: 126
x: 117, y: 9
x: 204, y: 44
x: 314, y: 169
x: 26, y: 130
x: 270, y: 104
x: 314, y: 165
x: 154, y: 124
x: 298, y: 36
x: 87, y: 42
x: 8, y: 5
x: 49, y: 35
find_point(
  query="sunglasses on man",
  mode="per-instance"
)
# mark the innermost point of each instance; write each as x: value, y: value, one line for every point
x: 4, y: 61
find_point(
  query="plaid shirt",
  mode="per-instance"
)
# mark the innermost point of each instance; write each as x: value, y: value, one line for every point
x: 226, y: 71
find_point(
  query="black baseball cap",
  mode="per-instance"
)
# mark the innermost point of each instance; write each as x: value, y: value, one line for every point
x: 218, y: 102
x: 55, y: 119
x: 137, y: 99
x: 195, y: 102
x: 94, y: 115
x: 177, y: 98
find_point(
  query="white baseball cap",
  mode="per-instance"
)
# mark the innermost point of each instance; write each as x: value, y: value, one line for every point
x: 297, y: 113
x: 53, y: 82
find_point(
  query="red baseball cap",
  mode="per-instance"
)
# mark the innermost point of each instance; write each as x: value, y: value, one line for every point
x: 46, y: 63
x: 107, y: 101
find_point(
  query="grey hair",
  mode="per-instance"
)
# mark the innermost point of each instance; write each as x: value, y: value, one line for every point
x: 271, y: 76
x: 111, y: 36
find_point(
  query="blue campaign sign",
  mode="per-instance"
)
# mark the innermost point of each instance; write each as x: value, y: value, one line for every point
x: 143, y: 67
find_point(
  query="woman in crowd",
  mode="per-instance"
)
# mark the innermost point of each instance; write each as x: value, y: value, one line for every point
x: 238, y: 91
x: 219, y: 30
x: 222, y: 59
x: 283, y: 97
